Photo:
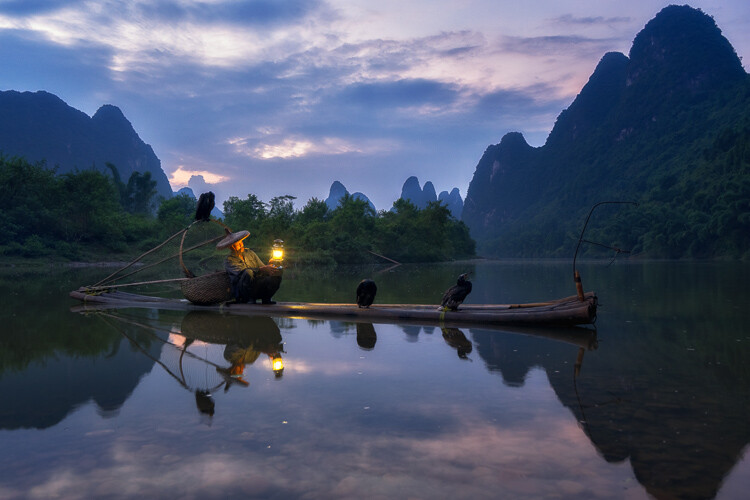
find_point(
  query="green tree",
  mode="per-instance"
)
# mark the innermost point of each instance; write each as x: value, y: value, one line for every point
x: 90, y: 212
x: 141, y: 191
x: 315, y: 210
x: 29, y: 200
x: 176, y: 213
x: 138, y: 196
x: 352, y: 229
x: 244, y: 214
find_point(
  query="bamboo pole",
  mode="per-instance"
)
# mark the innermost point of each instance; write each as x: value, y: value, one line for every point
x: 109, y: 287
x: 384, y: 257
x: 166, y: 259
x: 144, y: 254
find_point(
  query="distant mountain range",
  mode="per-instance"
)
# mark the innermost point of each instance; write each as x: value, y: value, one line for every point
x: 40, y: 126
x: 422, y: 196
x: 667, y: 127
x: 411, y: 191
x: 338, y: 191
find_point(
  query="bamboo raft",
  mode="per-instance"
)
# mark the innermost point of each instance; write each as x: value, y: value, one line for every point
x: 565, y: 312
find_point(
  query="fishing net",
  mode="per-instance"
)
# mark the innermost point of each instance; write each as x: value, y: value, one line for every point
x: 195, y: 366
x: 180, y: 258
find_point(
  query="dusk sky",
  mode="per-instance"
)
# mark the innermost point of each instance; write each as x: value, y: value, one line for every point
x: 284, y: 97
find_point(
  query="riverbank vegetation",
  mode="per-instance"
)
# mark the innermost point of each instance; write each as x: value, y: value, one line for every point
x: 90, y: 216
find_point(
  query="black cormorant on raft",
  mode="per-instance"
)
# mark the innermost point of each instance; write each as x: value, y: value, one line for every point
x: 455, y: 295
x: 366, y: 291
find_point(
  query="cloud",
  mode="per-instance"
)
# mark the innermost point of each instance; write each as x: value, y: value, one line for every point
x: 569, y: 19
x: 249, y: 12
x: 554, y: 44
x: 142, y: 34
x: 529, y: 108
x: 27, y: 7
x: 400, y: 93
x: 183, y: 177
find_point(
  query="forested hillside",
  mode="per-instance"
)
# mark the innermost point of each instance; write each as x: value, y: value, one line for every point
x: 667, y: 127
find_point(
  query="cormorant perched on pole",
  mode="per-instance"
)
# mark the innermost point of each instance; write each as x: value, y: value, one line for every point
x: 455, y: 295
x: 366, y: 291
x: 205, y: 205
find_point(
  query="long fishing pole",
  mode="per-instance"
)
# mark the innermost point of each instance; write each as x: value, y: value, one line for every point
x: 104, y: 287
x: 181, y: 231
x: 576, y: 274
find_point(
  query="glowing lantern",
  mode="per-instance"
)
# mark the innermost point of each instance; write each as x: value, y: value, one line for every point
x: 277, y: 364
x: 277, y: 252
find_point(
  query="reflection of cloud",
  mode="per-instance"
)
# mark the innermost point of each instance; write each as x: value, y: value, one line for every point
x: 737, y: 483
x: 531, y: 459
x: 293, y: 365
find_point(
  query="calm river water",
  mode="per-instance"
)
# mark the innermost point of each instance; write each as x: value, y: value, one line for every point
x: 652, y: 403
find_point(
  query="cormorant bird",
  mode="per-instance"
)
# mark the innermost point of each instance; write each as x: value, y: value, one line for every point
x: 205, y: 205
x: 456, y: 339
x: 366, y: 336
x: 455, y: 295
x: 366, y: 291
x: 205, y: 402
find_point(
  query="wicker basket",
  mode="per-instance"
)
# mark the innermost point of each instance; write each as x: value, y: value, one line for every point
x: 207, y: 289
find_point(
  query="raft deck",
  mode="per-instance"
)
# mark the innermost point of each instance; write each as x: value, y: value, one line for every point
x: 568, y: 311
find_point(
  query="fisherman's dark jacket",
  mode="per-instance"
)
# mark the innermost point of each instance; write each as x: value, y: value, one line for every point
x: 247, y: 263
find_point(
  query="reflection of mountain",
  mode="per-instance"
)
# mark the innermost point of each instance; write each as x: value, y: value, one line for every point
x: 49, y: 389
x: 52, y: 361
x: 514, y: 355
x: 412, y: 332
x: 682, y: 428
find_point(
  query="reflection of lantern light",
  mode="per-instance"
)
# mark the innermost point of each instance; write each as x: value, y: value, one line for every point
x: 277, y: 252
x: 277, y: 364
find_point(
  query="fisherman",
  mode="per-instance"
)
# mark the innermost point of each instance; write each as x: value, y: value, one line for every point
x: 249, y: 337
x: 250, y: 279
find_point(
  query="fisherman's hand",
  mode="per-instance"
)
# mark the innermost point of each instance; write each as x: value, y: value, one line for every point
x: 267, y: 270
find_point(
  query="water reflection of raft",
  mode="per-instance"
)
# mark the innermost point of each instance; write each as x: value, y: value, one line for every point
x: 568, y: 311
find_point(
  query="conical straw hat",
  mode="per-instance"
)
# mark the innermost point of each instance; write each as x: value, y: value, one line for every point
x: 232, y: 238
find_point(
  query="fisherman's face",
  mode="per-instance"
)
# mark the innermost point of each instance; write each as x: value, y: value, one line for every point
x: 238, y: 247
